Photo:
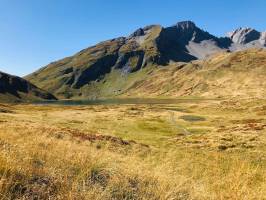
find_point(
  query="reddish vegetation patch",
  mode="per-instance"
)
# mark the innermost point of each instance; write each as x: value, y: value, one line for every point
x: 244, y: 127
x: 246, y: 121
x: 254, y: 126
x: 98, y: 137
x: 261, y: 111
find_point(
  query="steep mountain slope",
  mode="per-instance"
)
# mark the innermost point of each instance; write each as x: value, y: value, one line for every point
x: 242, y: 73
x: 244, y: 38
x: 13, y: 88
x: 110, y: 68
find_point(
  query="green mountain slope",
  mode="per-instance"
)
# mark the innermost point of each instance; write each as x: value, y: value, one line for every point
x: 118, y: 59
x: 80, y: 74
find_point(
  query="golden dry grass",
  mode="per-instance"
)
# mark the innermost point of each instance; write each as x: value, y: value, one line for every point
x: 238, y: 74
x: 134, y: 151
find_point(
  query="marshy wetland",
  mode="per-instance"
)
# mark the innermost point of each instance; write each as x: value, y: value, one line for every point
x: 186, y: 149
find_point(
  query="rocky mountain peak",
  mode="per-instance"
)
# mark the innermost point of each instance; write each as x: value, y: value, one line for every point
x: 185, y: 25
x: 244, y: 35
x: 143, y: 31
x: 138, y: 32
x: 187, y: 31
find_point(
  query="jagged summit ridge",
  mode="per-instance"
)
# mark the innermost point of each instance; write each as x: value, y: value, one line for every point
x: 141, y: 31
x: 248, y: 37
x: 184, y: 25
x: 244, y: 35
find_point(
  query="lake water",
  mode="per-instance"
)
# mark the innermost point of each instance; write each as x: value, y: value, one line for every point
x: 118, y: 101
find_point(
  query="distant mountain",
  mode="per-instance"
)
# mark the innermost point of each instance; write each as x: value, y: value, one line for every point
x: 243, y: 38
x: 13, y: 88
x: 111, y: 67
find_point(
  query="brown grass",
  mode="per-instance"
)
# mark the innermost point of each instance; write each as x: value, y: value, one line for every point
x: 133, y: 152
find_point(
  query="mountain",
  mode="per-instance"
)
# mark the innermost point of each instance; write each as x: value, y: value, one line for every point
x: 244, y: 38
x: 13, y: 89
x: 111, y: 67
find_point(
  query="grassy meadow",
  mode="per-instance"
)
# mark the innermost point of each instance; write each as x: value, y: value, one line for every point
x: 209, y: 149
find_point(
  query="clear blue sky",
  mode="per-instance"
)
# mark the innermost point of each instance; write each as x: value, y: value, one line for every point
x: 34, y: 33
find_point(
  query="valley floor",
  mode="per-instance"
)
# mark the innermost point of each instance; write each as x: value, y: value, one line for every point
x: 191, y: 150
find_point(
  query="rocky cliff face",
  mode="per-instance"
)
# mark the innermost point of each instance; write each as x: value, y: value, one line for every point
x: 244, y: 35
x: 244, y: 38
x: 87, y: 71
x: 13, y: 88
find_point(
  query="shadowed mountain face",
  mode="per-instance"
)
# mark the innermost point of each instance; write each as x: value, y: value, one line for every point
x: 13, y: 88
x: 101, y: 70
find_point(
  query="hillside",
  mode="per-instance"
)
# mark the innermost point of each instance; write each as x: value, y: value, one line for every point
x: 13, y: 89
x: 115, y: 66
x: 241, y: 73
